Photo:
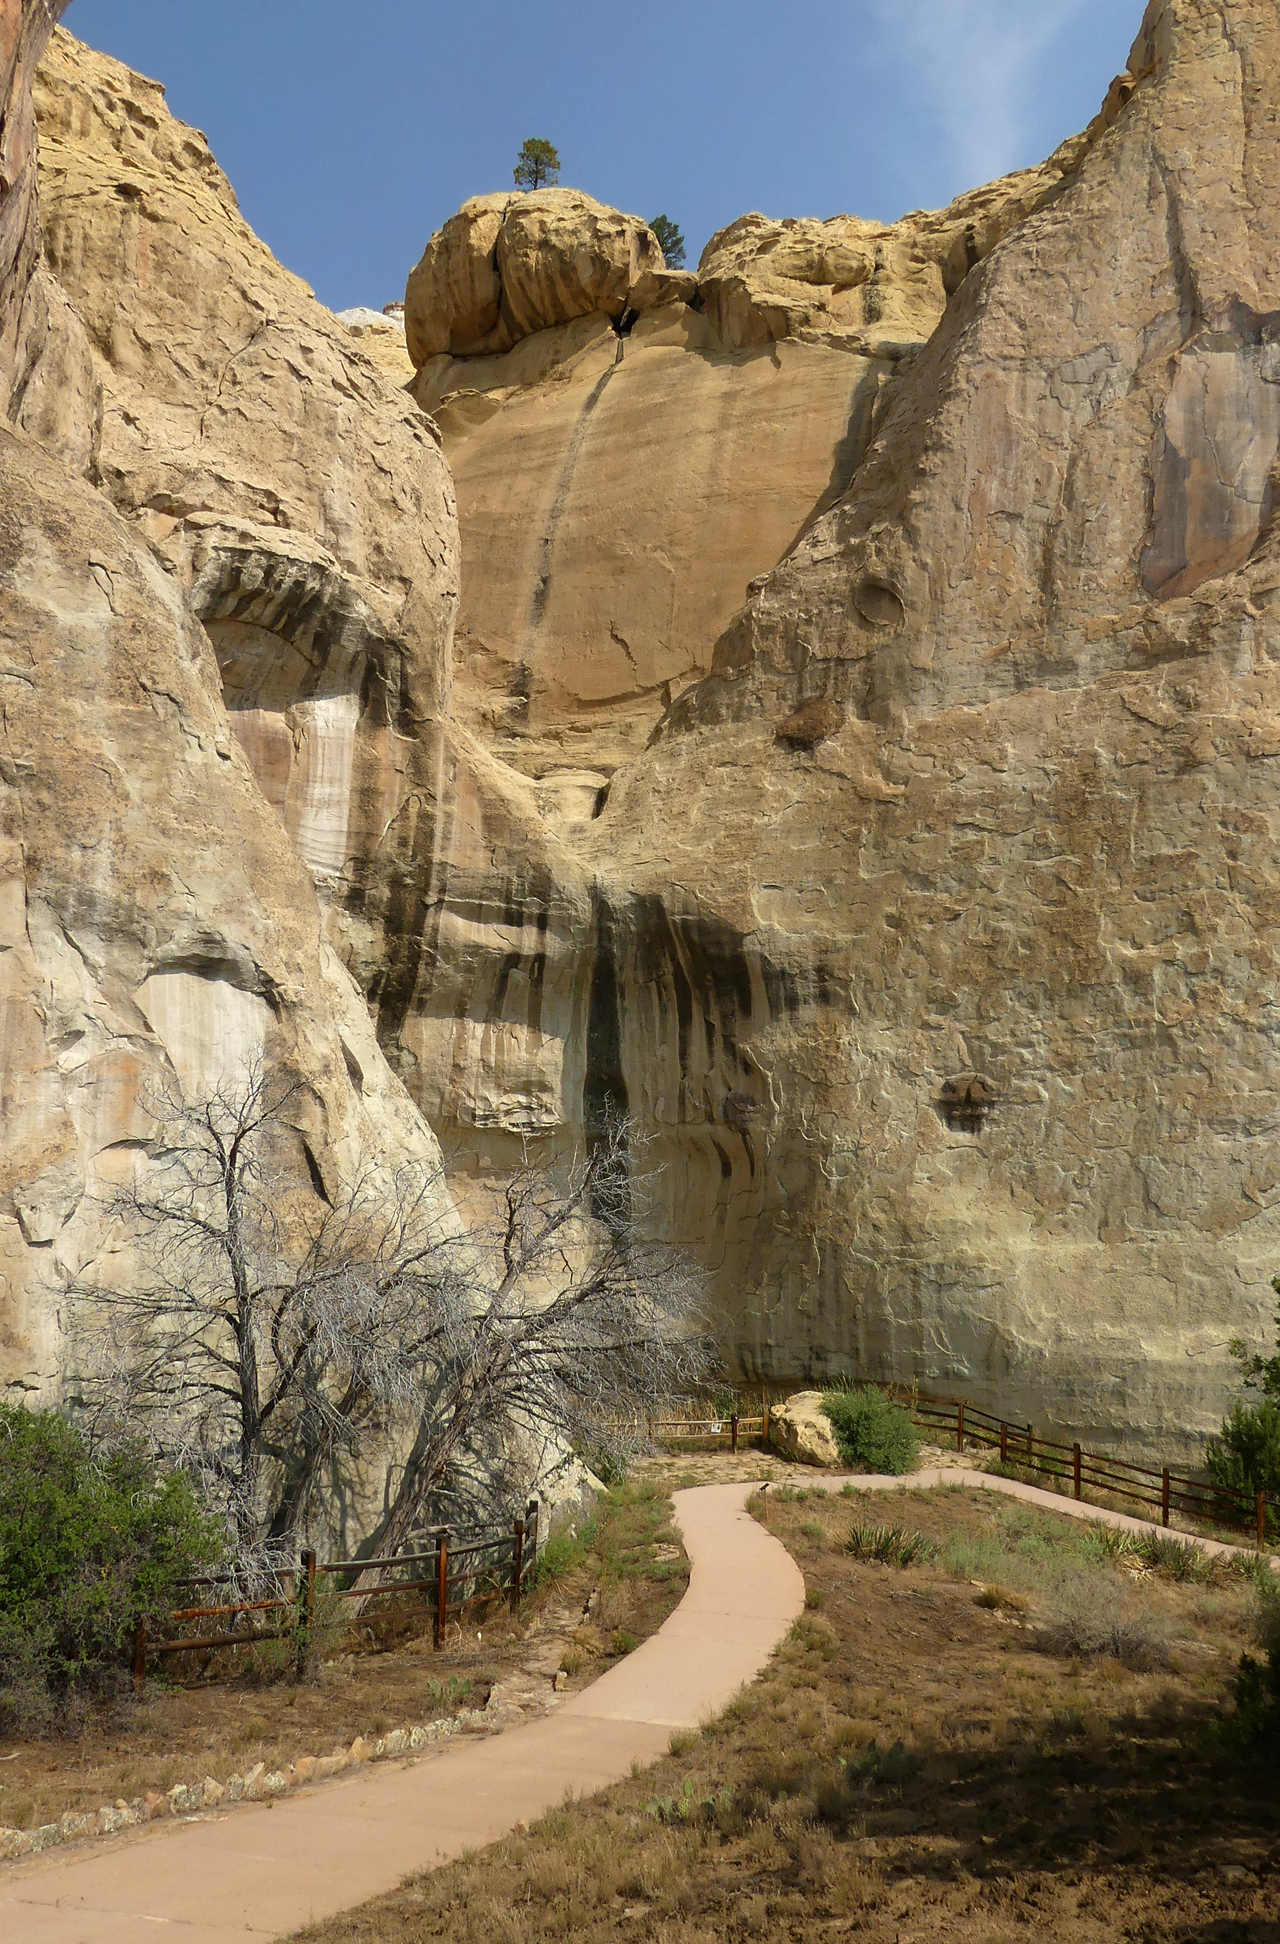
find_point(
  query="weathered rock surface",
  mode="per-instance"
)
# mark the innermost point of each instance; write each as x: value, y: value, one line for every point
x: 618, y: 493
x: 295, y: 493
x: 800, y: 1430
x: 509, y: 265
x: 156, y: 920
x: 959, y: 1026
x: 615, y: 505
x: 935, y: 938
x: 380, y: 335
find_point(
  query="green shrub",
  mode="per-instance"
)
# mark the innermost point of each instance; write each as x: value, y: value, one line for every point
x: 1254, y: 1729
x: 874, y: 1434
x: 1245, y: 1456
x: 90, y: 1547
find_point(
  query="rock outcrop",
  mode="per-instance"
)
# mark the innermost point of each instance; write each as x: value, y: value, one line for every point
x: 632, y: 447
x: 957, y: 1022
x: 922, y: 910
x: 157, y: 921
x: 801, y: 1430
x: 293, y: 491
x: 509, y: 265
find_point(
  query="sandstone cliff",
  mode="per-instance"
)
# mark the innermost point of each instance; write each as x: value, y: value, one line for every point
x: 632, y: 447
x: 932, y: 934
x: 945, y: 907
x: 156, y: 919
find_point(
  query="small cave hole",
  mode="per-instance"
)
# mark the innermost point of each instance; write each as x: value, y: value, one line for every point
x: 880, y: 605
x: 602, y: 797
x: 966, y: 1104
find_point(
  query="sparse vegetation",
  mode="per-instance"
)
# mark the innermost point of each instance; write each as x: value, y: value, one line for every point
x: 670, y: 241
x: 91, y: 1546
x: 874, y: 1433
x: 1245, y: 1456
x: 626, y: 1564
x: 890, y: 1545
x: 911, y: 1764
x: 537, y: 165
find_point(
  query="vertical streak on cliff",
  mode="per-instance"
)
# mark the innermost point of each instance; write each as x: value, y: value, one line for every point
x: 605, y: 1100
x: 564, y: 485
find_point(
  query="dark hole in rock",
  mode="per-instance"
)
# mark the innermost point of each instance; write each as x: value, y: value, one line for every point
x: 879, y: 605
x: 811, y: 724
x: 602, y: 797
x: 965, y: 1104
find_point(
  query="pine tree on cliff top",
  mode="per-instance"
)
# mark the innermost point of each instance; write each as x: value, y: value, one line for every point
x: 537, y: 165
x: 670, y: 241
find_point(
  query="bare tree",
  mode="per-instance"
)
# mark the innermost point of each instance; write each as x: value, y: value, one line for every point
x: 264, y: 1336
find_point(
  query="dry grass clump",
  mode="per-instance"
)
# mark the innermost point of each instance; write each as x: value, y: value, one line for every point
x: 910, y: 1765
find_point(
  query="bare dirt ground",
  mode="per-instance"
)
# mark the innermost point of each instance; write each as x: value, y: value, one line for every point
x: 940, y: 1751
x: 600, y: 1596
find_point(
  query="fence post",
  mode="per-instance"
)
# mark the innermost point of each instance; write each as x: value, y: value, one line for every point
x: 733, y: 1432
x: 532, y: 1513
x: 960, y: 1426
x: 140, y: 1657
x: 1031, y: 1448
x: 306, y: 1599
x: 765, y: 1438
x: 1261, y: 1510
x: 1004, y: 1443
x: 517, y: 1563
x: 1075, y: 1467
x: 1164, y: 1496
x: 442, y: 1585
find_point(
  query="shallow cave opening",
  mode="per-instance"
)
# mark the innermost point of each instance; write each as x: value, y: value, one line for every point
x: 965, y: 1104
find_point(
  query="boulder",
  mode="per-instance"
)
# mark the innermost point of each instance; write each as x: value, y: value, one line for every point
x: 801, y: 1431
x: 507, y: 266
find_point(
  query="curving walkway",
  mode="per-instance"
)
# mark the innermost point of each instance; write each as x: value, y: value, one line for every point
x: 263, y: 1872
x: 1070, y: 1508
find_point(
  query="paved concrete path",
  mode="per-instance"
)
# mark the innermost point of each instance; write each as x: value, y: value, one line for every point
x: 262, y: 1872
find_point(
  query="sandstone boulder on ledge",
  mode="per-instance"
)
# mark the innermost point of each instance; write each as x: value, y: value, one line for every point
x: 801, y: 1431
x: 509, y: 265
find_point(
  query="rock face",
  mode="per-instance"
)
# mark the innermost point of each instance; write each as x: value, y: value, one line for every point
x: 801, y: 1431
x: 958, y: 1024
x: 157, y: 922
x: 629, y: 456
x: 933, y: 935
x: 509, y: 265
x: 295, y: 494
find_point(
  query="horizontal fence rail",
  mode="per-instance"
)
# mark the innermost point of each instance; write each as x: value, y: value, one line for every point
x: 1161, y: 1491
x: 462, y: 1572
x: 1147, y: 1487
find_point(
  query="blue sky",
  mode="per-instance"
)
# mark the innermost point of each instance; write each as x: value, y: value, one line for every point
x: 351, y: 133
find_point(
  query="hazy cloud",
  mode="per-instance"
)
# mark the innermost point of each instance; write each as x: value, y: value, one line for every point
x: 979, y: 66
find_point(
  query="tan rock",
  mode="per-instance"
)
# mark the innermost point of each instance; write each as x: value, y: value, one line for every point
x: 507, y: 266
x: 1032, y: 875
x: 800, y: 1430
x: 877, y: 287
x: 296, y: 494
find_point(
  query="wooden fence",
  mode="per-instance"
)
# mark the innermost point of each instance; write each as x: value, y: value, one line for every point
x: 461, y: 1571
x: 737, y: 1429
x: 1148, y: 1489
